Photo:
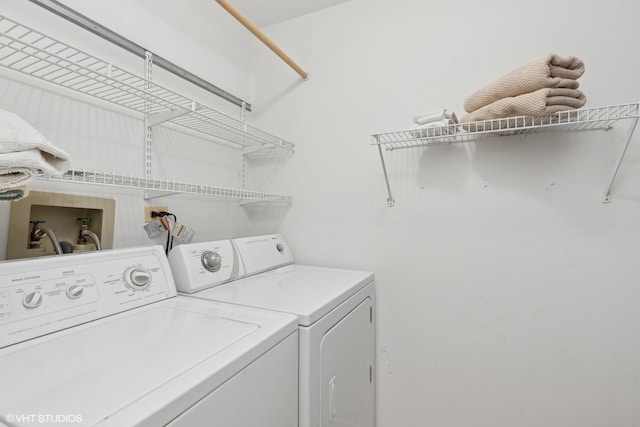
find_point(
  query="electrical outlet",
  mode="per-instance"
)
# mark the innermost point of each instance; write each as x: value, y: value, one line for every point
x: 149, y: 209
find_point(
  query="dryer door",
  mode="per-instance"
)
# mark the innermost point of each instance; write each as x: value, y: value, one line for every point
x: 346, y: 370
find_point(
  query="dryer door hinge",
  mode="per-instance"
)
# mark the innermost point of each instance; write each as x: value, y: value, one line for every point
x: 370, y: 314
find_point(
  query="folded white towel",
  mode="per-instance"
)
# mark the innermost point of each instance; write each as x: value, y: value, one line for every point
x: 18, y: 135
x: 21, y: 167
x: 15, y: 177
x: 25, y: 152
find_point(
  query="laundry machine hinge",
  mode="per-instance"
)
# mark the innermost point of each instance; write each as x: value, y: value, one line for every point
x: 370, y: 314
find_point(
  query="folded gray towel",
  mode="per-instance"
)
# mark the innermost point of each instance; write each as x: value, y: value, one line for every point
x: 549, y: 71
x: 12, y: 194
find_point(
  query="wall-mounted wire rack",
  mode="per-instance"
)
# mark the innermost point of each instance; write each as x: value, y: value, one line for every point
x: 29, y: 52
x: 161, y: 187
x: 598, y: 118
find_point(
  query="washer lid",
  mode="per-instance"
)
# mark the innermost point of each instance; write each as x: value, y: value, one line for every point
x: 306, y: 291
x: 136, y: 363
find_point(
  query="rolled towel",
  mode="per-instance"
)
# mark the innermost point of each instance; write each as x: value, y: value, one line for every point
x: 12, y: 194
x: 434, y: 129
x: 423, y: 119
x: 21, y: 167
x: 542, y: 102
x: 549, y: 71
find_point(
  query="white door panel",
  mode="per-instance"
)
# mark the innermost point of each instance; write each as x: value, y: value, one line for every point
x: 346, y: 370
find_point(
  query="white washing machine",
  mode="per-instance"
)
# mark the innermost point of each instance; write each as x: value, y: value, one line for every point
x: 334, y: 307
x: 102, y: 339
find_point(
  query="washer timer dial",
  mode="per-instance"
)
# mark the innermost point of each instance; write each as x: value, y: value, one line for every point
x: 137, y: 278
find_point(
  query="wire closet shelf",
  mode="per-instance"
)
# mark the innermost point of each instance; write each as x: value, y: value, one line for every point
x: 597, y: 118
x: 85, y: 176
x: 585, y: 119
x: 29, y: 52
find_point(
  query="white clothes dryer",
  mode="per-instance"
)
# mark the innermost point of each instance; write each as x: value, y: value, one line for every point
x: 103, y: 339
x: 334, y: 307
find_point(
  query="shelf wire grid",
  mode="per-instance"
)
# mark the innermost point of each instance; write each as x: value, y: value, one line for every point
x: 86, y: 176
x: 597, y: 118
x: 29, y: 52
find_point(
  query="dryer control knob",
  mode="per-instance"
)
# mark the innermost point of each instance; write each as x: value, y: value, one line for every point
x: 75, y: 291
x: 211, y: 261
x: 137, y: 278
x: 32, y: 299
x: 280, y: 247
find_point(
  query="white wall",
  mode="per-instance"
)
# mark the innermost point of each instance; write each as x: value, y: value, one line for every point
x: 199, y: 36
x: 507, y: 291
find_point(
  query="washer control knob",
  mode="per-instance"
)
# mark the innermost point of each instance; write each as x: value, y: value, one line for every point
x: 280, y: 247
x: 137, y: 278
x: 32, y: 299
x: 211, y: 260
x: 75, y: 291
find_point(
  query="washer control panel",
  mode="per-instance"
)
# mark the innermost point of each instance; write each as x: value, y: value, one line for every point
x: 263, y: 253
x: 198, y: 266
x: 43, y: 295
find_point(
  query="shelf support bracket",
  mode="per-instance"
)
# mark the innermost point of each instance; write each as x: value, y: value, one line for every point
x: 390, y: 201
x: 165, y: 116
x: 151, y: 194
x: 250, y: 150
x: 632, y: 127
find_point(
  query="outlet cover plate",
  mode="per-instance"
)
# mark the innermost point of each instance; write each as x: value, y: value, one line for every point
x: 149, y: 209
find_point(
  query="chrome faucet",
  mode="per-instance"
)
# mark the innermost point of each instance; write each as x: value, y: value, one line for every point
x: 38, y: 233
x: 85, y: 232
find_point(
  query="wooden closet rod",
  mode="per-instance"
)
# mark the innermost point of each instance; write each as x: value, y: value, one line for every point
x: 260, y: 35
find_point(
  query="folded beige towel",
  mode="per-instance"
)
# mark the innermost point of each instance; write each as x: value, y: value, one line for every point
x: 542, y: 102
x: 549, y: 71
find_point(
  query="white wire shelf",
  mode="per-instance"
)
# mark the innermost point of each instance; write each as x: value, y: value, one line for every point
x: 598, y: 118
x: 161, y: 187
x: 585, y: 119
x: 30, y: 52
